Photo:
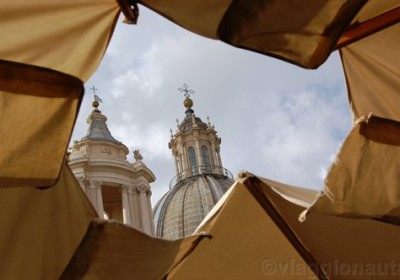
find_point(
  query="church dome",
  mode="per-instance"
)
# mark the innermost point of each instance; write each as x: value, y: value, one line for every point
x: 200, y: 179
x: 182, y: 208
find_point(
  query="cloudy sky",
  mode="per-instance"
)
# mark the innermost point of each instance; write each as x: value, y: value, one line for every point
x: 275, y: 119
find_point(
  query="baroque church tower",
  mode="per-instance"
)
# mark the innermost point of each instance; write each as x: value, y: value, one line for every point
x: 200, y: 180
x: 118, y: 190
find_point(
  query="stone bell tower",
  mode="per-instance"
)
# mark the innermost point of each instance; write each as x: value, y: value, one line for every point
x: 119, y: 190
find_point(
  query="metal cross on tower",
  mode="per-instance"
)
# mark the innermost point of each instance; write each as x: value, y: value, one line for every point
x: 96, y: 97
x: 186, y: 91
x: 93, y: 88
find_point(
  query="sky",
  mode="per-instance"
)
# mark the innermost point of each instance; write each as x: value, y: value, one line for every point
x: 275, y: 119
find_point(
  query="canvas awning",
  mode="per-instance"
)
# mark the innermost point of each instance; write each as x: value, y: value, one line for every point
x: 42, y: 228
x: 301, y: 32
x: 49, y: 48
x: 364, y: 179
x: 264, y: 240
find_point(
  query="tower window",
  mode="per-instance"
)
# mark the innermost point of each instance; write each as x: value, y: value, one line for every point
x: 193, y: 162
x: 206, y: 159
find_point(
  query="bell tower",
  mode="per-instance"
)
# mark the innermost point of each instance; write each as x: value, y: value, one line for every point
x: 118, y: 189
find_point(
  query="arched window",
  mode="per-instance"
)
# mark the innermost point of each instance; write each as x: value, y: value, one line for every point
x: 192, y: 161
x: 206, y: 159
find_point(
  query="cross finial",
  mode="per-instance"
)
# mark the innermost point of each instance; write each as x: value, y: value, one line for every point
x: 186, y: 91
x: 96, y: 97
x: 93, y: 88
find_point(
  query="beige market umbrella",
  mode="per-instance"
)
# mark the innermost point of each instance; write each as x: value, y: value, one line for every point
x: 256, y: 235
x: 47, y: 50
x: 252, y: 233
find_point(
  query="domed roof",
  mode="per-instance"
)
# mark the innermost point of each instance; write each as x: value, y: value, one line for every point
x: 182, y: 208
x: 98, y: 130
x: 98, y: 143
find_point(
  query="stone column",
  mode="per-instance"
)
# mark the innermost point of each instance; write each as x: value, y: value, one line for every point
x: 185, y: 163
x: 126, y: 211
x: 182, y: 166
x: 83, y: 182
x: 176, y: 165
x: 150, y: 211
x: 94, y: 194
x: 220, y: 168
x: 175, y: 153
x: 144, y: 210
x: 200, y: 163
x: 220, y: 160
x: 179, y: 162
x: 133, y: 205
x: 214, y: 161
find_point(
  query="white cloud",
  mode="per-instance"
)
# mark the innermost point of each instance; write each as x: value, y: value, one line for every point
x: 123, y: 82
x: 295, y: 135
x: 145, y: 79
